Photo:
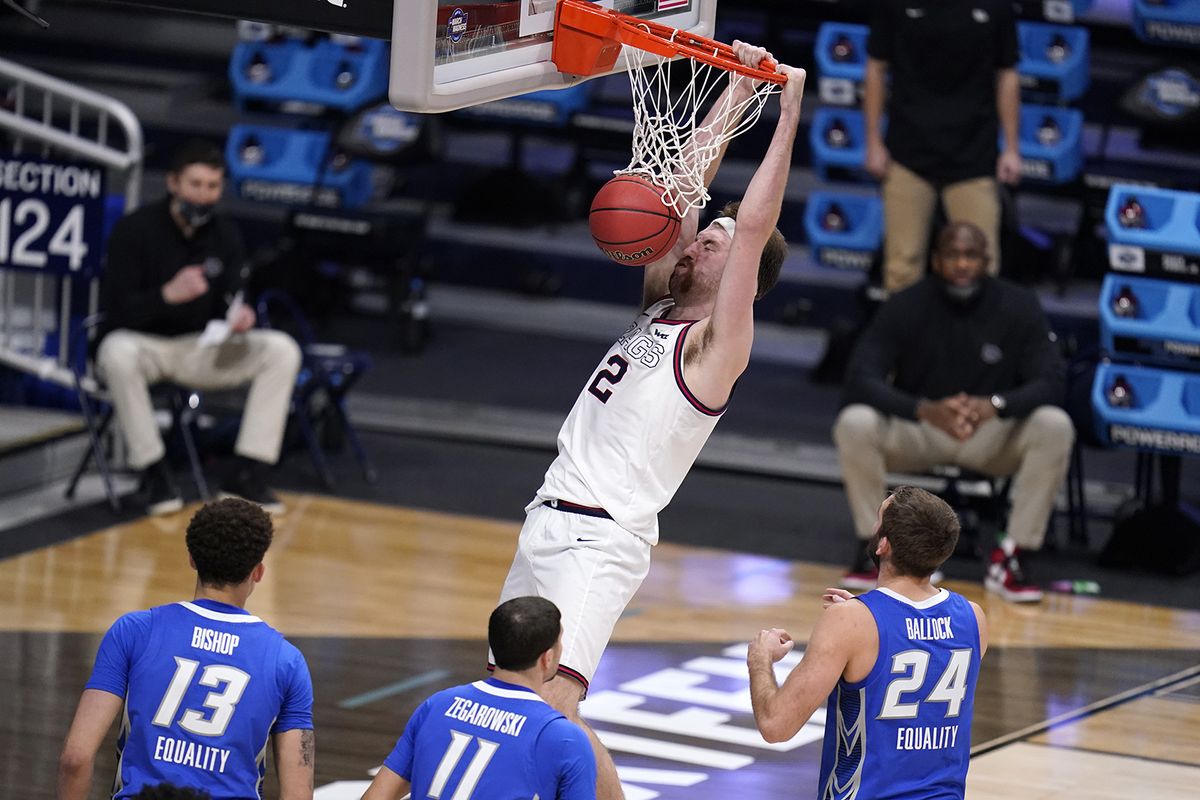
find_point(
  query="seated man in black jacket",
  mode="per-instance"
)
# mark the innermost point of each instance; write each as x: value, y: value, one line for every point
x: 958, y: 370
x: 172, y: 268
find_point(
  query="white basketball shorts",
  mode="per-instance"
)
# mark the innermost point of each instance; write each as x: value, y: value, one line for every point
x: 590, y: 567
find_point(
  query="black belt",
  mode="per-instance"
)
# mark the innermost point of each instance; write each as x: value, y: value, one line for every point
x: 575, y: 508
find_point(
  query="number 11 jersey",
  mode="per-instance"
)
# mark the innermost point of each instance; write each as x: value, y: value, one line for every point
x: 635, y: 429
x: 492, y: 740
x: 205, y: 685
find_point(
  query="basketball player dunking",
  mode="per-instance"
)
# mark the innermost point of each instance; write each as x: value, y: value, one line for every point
x: 644, y: 414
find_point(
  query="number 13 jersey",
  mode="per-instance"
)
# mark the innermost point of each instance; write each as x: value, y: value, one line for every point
x: 635, y: 429
x: 205, y: 685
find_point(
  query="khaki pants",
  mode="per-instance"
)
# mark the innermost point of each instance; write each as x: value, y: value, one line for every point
x: 909, y: 202
x: 1035, y: 450
x: 130, y: 362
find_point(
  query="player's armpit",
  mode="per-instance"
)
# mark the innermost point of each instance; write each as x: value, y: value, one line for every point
x: 93, y: 717
x: 295, y: 755
x: 387, y: 786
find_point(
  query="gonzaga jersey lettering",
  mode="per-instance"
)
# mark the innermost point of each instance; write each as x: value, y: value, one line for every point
x: 635, y: 429
x: 205, y: 685
x: 492, y: 740
x: 905, y: 731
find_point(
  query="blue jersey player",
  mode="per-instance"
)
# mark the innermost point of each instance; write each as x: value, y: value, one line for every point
x: 897, y: 667
x: 204, y: 685
x: 496, y: 739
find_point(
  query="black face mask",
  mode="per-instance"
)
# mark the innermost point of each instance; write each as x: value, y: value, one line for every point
x: 195, y: 214
x: 961, y: 295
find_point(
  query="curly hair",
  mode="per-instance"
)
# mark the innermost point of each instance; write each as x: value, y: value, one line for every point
x: 169, y: 791
x: 227, y: 540
x: 770, y: 263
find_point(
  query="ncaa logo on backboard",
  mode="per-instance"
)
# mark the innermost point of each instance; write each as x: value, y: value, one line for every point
x: 456, y: 26
x: 1126, y: 258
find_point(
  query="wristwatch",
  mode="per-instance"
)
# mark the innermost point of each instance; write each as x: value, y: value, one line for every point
x: 999, y: 403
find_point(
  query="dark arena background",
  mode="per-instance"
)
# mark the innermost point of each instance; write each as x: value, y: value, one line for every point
x: 442, y: 262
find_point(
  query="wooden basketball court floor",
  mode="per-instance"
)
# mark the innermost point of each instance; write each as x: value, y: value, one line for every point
x: 1078, y: 697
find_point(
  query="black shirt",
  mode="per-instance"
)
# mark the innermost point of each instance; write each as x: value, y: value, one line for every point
x: 922, y: 344
x: 145, y: 250
x: 942, y: 59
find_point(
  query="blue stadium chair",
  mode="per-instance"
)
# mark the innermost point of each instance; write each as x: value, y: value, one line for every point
x: 327, y: 373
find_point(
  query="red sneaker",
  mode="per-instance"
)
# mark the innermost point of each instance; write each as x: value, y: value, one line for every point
x: 1006, y: 576
x: 862, y: 575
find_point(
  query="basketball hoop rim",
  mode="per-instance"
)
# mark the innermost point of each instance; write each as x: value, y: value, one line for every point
x: 576, y: 20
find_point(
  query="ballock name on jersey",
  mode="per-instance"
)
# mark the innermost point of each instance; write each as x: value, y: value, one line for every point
x: 928, y: 629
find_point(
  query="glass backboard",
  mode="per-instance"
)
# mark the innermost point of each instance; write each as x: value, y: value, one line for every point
x: 448, y: 55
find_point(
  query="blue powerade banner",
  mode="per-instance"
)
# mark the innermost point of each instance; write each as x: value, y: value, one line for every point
x: 51, y: 216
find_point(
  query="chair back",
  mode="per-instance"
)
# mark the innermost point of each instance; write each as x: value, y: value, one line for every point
x: 295, y: 323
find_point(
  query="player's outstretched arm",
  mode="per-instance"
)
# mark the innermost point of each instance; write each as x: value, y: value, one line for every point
x: 295, y: 756
x: 780, y: 711
x: 722, y: 117
x: 387, y: 785
x: 94, y: 716
x: 726, y: 337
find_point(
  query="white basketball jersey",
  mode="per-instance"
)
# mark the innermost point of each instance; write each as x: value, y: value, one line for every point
x: 635, y: 429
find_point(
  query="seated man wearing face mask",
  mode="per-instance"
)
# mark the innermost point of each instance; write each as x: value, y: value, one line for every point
x: 958, y: 369
x: 173, y: 267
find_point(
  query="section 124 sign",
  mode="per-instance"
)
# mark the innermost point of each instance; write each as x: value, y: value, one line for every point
x: 51, y: 215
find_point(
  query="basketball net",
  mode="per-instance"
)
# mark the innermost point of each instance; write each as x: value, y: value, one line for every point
x: 670, y: 147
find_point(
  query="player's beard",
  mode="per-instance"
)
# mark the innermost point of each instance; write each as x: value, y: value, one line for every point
x: 682, y: 281
x: 680, y: 285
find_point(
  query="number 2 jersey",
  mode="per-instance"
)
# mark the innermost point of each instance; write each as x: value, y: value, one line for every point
x: 492, y: 740
x: 905, y: 731
x: 205, y: 685
x: 635, y: 429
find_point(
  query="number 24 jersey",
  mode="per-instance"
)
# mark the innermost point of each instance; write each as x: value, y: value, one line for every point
x: 904, y: 732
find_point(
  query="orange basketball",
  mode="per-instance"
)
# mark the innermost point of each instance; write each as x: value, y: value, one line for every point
x: 630, y: 223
